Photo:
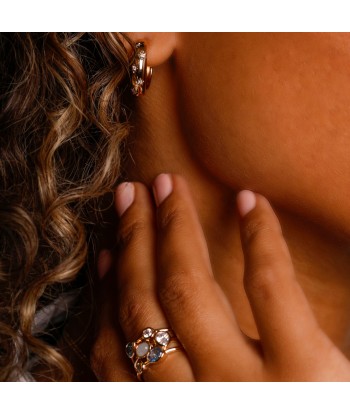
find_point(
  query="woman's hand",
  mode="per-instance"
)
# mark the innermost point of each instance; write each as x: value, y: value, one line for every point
x: 165, y: 280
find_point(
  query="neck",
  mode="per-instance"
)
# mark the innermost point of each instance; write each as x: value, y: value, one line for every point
x: 321, y: 261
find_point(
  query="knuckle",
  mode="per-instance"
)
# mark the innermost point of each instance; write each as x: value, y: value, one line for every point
x: 266, y: 256
x: 132, y: 312
x: 261, y: 282
x: 130, y: 231
x: 255, y: 229
x: 178, y: 290
x: 173, y: 217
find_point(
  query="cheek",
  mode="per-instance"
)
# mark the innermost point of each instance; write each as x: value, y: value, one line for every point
x: 271, y: 112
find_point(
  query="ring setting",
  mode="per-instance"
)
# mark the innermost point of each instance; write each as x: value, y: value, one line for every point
x: 152, y: 346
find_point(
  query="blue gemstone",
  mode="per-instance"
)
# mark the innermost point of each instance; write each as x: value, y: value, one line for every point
x: 155, y: 354
x: 129, y: 349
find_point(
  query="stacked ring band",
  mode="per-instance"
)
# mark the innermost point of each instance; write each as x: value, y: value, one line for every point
x: 151, y: 347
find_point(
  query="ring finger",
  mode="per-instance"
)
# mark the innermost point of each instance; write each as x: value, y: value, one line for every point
x: 139, y: 307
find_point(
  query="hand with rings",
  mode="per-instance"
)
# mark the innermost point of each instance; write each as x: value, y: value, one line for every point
x: 167, y: 299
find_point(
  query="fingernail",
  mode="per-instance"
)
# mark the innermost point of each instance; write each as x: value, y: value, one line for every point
x: 125, y: 196
x: 246, y: 201
x: 162, y: 187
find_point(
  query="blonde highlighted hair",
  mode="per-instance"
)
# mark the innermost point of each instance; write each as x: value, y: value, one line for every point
x: 62, y: 123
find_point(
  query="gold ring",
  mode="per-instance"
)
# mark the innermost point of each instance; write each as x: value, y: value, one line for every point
x: 150, y: 348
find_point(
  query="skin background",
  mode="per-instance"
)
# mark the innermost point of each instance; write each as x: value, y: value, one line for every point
x: 266, y: 112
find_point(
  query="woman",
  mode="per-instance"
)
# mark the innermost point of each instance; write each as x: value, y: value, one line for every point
x: 224, y: 113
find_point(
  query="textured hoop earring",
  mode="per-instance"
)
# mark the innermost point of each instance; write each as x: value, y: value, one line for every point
x: 141, y: 74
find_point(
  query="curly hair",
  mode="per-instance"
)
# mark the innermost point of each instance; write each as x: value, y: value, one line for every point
x: 62, y: 122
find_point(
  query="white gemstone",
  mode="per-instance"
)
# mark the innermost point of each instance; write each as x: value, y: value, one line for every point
x: 163, y: 338
x: 147, y: 333
x: 142, y: 349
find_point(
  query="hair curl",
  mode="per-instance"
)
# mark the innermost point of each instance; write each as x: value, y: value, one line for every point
x: 62, y: 122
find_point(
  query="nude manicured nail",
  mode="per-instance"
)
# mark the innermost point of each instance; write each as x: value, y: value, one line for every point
x: 125, y: 196
x: 246, y: 201
x: 162, y: 187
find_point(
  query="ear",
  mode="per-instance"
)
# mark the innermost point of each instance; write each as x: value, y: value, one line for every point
x: 159, y: 46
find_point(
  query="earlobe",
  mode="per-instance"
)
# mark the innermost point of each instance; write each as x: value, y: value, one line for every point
x: 160, y: 46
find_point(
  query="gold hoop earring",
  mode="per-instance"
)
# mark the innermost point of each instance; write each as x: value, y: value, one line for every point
x: 141, y: 74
